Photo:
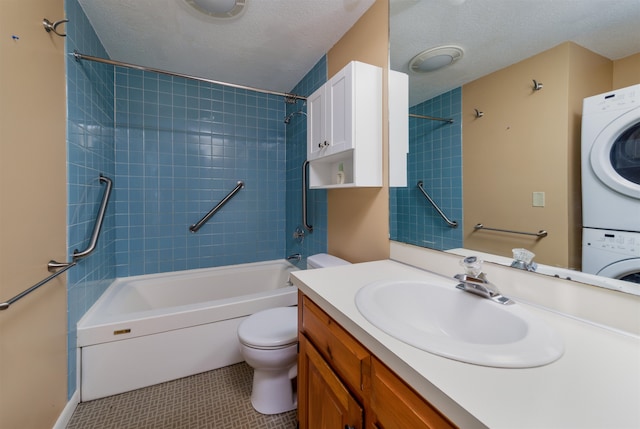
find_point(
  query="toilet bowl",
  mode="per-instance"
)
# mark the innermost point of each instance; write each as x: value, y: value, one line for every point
x: 269, y: 344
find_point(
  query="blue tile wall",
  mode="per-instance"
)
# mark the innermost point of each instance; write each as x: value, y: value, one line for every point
x: 90, y: 152
x: 296, y: 134
x: 181, y: 147
x: 435, y: 157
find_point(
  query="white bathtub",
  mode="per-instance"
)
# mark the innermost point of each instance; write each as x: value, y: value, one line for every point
x: 149, y: 329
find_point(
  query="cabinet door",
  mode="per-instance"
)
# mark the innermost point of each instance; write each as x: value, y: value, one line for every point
x: 340, y: 110
x: 323, y: 401
x: 316, y: 124
x: 396, y: 406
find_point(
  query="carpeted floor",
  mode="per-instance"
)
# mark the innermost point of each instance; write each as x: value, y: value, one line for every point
x: 216, y: 399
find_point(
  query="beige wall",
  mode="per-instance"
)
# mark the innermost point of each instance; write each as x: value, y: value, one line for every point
x: 358, y: 218
x: 626, y: 71
x: 522, y: 145
x: 33, y: 361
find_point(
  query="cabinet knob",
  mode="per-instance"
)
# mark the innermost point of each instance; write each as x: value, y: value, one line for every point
x: 323, y: 144
x: 349, y: 427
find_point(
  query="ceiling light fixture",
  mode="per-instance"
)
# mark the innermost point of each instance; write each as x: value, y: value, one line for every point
x: 218, y: 8
x: 435, y: 58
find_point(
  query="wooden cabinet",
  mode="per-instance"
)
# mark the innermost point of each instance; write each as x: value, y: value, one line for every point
x: 344, y: 129
x: 347, y: 356
x: 341, y: 385
x: 394, y: 405
x: 327, y: 401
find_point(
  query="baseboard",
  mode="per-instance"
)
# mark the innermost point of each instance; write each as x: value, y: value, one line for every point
x: 67, y: 412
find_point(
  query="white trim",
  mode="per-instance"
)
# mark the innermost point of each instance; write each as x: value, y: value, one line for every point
x: 65, y: 416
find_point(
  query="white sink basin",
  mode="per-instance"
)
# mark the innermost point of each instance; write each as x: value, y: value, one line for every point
x: 448, y: 322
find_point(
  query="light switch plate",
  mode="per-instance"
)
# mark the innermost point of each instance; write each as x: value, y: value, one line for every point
x: 538, y: 199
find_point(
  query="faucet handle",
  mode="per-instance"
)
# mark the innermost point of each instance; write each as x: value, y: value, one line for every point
x: 472, y: 266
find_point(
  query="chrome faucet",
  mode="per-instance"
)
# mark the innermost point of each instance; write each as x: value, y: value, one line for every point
x: 476, y: 282
x: 523, y: 260
x: 295, y: 257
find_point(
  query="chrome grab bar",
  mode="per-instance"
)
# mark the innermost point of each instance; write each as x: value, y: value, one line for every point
x: 196, y: 226
x: 53, y: 265
x: 539, y: 234
x: 305, y: 175
x: 5, y: 305
x: 98, y: 226
x: 451, y: 223
x: 431, y: 118
x: 64, y: 266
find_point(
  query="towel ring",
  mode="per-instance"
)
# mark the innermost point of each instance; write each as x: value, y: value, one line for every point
x: 53, y: 26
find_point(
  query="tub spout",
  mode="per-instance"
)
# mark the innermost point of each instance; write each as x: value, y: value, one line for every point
x: 295, y: 257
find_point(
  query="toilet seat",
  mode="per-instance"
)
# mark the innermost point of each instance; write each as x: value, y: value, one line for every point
x: 274, y: 328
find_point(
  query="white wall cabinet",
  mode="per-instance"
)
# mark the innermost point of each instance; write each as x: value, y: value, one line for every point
x: 398, y: 128
x: 344, y: 129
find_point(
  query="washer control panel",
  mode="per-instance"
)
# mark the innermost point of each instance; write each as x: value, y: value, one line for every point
x: 624, y: 98
x: 621, y: 242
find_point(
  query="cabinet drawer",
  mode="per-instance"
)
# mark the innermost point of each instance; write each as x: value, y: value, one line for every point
x: 346, y: 355
x: 396, y: 406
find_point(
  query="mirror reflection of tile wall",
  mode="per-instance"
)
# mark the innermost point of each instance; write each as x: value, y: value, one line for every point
x: 435, y: 157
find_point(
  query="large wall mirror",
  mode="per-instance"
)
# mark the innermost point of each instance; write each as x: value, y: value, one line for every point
x: 496, y: 91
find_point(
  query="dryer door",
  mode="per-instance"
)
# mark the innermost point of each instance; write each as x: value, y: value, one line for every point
x: 627, y: 270
x: 615, y: 154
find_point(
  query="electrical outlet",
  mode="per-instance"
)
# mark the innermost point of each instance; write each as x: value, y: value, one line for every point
x: 538, y: 199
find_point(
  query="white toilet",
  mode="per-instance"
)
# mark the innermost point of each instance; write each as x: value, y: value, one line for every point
x: 269, y: 344
x: 324, y: 260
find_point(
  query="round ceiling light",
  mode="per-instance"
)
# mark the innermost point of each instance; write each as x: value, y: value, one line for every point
x: 435, y: 58
x: 218, y: 8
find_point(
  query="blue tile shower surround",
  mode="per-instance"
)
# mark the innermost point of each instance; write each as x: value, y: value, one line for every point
x: 180, y: 147
x: 296, y: 134
x: 90, y: 152
x: 435, y: 157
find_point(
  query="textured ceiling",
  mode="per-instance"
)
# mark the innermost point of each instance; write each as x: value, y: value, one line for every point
x: 276, y: 42
x: 498, y: 33
x: 272, y: 45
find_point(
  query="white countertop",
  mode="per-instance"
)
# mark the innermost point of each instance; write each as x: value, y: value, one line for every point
x: 595, y: 384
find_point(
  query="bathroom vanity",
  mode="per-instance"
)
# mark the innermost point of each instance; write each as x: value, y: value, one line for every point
x: 342, y: 385
x: 352, y: 374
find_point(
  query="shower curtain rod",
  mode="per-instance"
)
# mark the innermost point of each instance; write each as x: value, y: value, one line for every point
x: 289, y: 98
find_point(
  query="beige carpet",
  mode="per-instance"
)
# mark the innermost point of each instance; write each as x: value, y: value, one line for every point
x: 216, y: 399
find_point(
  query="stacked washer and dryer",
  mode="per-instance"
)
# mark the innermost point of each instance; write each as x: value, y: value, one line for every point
x: 611, y: 184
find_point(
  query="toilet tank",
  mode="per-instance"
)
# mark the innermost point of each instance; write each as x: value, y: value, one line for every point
x: 324, y: 260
